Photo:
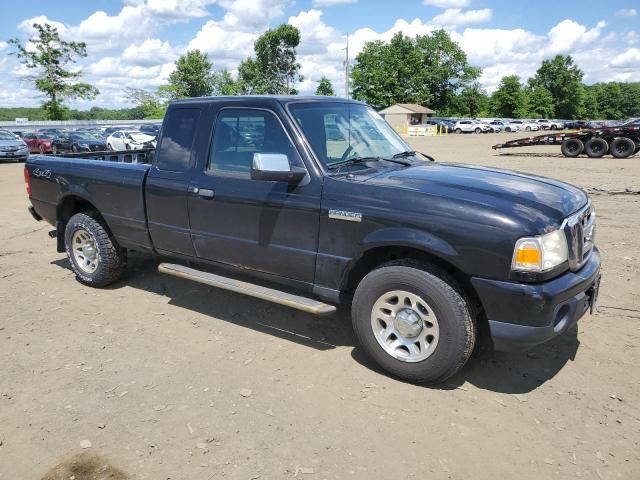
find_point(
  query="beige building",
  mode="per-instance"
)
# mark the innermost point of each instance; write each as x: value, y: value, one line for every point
x: 402, y: 115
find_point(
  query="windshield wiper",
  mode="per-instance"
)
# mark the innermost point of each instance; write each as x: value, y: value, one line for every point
x: 356, y: 160
x: 412, y: 153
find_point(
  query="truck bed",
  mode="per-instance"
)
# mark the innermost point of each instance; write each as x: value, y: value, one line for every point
x: 114, y: 181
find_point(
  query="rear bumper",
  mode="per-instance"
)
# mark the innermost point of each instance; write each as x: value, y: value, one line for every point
x: 34, y: 214
x: 524, y: 315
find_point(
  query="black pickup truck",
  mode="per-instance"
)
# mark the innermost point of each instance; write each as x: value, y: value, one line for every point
x: 318, y: 202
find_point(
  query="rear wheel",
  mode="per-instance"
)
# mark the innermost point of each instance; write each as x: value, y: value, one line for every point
x: 413, y: 321
x: 95, y: 257
x: 572, y: 147
x: 596, y: 147
x: 622, y: 147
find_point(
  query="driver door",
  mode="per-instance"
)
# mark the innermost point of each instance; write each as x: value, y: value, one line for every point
x: 265, y: 226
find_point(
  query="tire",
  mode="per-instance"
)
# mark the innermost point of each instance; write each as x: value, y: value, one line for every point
x: 478, y: 130
x: 455, y: 331
x: 527, y: 129
x: 622, y: 147
x: 54, y: 150
x: 572, y: 147
x: 458, y: 131
x: 109, y: 257
x: 508, y: 129
x: 109, y: 147
x: 596, y: 147
x: 74, y: 149
x: 42, y: 150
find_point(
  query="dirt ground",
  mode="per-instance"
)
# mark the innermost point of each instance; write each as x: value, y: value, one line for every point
x: 168, y: 379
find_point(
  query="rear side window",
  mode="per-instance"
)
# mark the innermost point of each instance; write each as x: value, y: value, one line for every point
x: 174, y: 152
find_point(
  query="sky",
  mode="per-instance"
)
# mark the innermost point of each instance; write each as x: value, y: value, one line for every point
x: 134, y: 43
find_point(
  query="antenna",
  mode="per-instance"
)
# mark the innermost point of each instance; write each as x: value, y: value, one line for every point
x: 346, y: 69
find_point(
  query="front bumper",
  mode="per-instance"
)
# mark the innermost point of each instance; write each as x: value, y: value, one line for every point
x: 18, y: 155
x: 524, y: 315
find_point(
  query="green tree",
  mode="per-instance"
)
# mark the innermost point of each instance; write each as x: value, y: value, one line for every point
x: 472, y: 101
x: 325, y: 88
x: 150, y: 104
x: 428, y: 70
x: 539, y: 102
x: 274, y: 70
x: 563, y: 79
x: 192, y: 77
x: 509, y: 99
x: 51, y: 56
x: 225, y: 84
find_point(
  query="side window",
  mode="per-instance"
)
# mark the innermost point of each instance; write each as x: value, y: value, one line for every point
x: 239, y: 134
x: 174, y: 151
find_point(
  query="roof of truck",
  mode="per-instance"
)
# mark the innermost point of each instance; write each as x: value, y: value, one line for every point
x: 278, y: 98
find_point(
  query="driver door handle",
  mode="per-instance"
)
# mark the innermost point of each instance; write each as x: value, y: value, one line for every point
x: 205, y: 193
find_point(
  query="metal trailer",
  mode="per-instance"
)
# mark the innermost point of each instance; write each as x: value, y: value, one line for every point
x: 621, y: 142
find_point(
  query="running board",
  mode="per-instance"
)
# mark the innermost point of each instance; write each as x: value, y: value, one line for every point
x: 269, y: 294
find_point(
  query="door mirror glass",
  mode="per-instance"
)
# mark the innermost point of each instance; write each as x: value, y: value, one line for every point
x: 275, y: 167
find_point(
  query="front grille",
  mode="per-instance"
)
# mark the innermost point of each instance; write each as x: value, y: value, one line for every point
x: 580, y: 230
x: 9, y: 149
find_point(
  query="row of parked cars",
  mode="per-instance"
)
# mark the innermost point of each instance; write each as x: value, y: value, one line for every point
x: 17, y: 144
x: 497, y: 125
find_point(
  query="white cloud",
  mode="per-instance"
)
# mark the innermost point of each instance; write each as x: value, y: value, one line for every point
x: 569, y: 34
x: 150, y: 52
x: 628, y: 59
x: 3, y: 45
x: 448, y: 3
x: 455, y: 16
x: 627, y: 12
x: 331, y: 3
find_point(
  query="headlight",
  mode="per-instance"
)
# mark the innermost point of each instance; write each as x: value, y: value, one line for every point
x: 540, y: 254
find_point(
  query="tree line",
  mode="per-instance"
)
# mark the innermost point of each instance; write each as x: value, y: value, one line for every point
x: 430, y: 70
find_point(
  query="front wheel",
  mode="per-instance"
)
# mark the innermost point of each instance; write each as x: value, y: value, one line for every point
x: 458, y: 131
x: 413, y: 321
x: 95, y: 257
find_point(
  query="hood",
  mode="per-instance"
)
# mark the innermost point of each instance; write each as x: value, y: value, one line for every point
x: 497, y: 195
x: 142, y: 137
x: 11, y: 143
x: 93, y: 141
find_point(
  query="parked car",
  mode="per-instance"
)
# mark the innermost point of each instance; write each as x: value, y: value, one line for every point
x: 523, y: 125
x: 549, y: 124
x: 421, y: 251
x: 38, y: 142
x: 12, y: 147
x: 499, y: 126
x: 577, y: 124
x: 52, y: 131
x: 77, y: 142
x: 150, y: 129
x: 130, y: 140
x: 444, y: 125
x: 109, y: 130
x: 470, y: 126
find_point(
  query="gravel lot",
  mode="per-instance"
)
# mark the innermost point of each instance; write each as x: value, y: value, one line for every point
x: 170, y: 379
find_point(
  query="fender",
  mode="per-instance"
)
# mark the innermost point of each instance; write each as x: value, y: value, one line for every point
x: 78, y: 193
x: 404, y: 237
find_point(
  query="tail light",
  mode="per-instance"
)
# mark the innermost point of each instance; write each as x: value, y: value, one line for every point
x: 27, y: 180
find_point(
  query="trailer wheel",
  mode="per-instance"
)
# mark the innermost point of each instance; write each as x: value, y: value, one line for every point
x: 622, y: 147
x: 572, y: 147
x: 596, y: 147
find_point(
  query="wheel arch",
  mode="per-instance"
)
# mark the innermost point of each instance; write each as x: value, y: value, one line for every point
x: 402, y: 243
x: 68, y: 206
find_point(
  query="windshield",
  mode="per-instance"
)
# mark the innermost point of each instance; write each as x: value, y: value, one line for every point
x: 343, y: 131
x: 83, y: 136
x: 7, y: 136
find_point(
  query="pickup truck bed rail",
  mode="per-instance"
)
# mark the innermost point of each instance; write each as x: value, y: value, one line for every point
x: 121, y: 156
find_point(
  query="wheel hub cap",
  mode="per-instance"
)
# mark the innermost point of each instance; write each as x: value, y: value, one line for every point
x: 408, y: 323
x: 84, y: 251
x: 405, y: 326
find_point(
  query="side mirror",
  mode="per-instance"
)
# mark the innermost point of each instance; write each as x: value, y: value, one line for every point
x: 275, y: 167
